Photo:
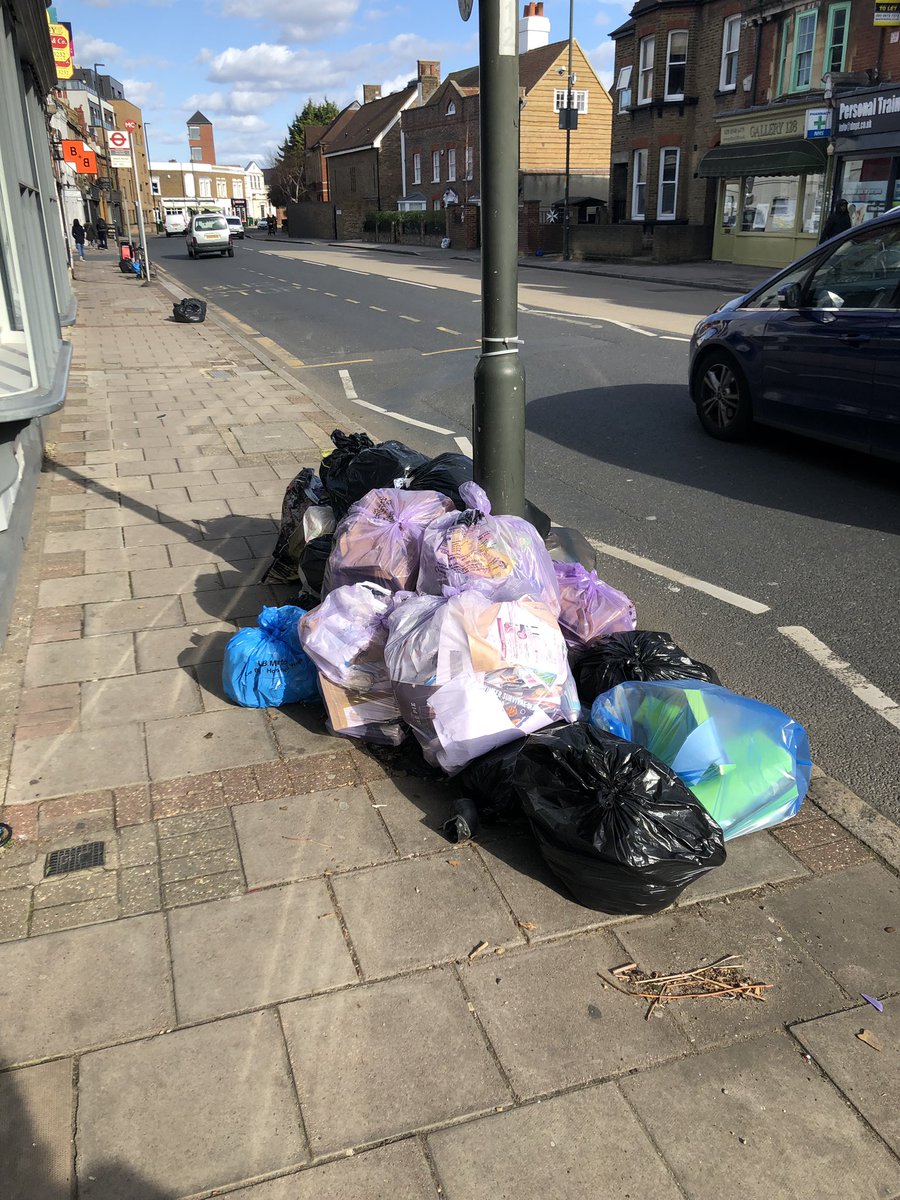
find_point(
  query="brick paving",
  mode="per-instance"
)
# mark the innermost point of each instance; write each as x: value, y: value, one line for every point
x: 268, y: 989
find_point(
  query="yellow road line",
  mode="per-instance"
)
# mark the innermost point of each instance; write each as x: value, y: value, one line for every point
x: 452, y: 350
x: 347, y: 362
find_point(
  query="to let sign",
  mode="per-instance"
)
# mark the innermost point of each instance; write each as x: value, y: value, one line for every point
x: 62, y: 51
x: 887, y: 12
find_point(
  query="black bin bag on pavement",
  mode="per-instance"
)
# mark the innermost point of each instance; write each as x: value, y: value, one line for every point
x: 636, y: 656
x: 616, y: 825
x: 357, y: 465
x: 448, y: 472
x: 189, y: 311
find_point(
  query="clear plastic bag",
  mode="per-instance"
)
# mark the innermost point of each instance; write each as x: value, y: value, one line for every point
x: 380, y: 539
x: 503, y: 558
x: 470, y: 674
x: 590, y: 608
x: 747, y: 763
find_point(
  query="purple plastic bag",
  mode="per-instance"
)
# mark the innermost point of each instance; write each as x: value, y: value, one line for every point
x: 501, y: 557
x: 380, y: 539
x: 590, y: 608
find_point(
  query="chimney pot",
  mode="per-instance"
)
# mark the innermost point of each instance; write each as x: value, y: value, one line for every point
x: 539, y: 8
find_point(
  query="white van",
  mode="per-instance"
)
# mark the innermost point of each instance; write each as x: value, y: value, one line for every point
x: 176, y: 222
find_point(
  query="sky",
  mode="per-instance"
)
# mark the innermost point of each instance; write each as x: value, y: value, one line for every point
x: 249, y: 70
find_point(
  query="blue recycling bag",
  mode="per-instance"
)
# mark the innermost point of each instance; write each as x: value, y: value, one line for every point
x: 266, y: 667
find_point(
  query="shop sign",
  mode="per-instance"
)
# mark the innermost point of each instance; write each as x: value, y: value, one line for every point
x: 766, y: 129
x: 887, y: 12
x: 61, y: 42
x: 78, y: 156
x: 818, y: 122
x: 878, y: 112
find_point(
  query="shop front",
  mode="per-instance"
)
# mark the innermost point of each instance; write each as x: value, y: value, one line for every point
x: 771, y: 169
x: 867, y: 151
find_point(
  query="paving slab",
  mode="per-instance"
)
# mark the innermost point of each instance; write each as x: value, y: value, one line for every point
x: 414, y: 811
x: 533, y: 892
x: 757, y: 1112
x: 422, y: 910
x: 36, y: 1131
x: 691, y: 938
x: 96, y: 984
x: 135, y: 558
x: 205, y: 742
x: 184, y: 646
x: 189, y: 554
x: 752, y: 862
x: 151, y: 696
x: 288, y: 942
x: 84, y: 589
x: 843, y: 920
x: 870, y: 1079
x: 567, y: 1148
x: 187, y: 1111
x: 127, y: 616
x: 86, y: 658
x: 265, y: 436
x: 226, y: 603
x: 76, y: 762
x: 300, y: 729
x: 374, y: 1062
x: 396, y: 1172
x: 301, y: 836
x: 553, y: 1024
x: 15, y: 905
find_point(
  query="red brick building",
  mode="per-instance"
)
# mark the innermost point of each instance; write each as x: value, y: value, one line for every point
x: 200, y: 139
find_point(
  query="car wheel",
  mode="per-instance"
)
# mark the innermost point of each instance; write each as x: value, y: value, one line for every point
x: 223, y: 253
x: 190, y: 252
x: 231, y: 251
x: 723, y: 402
x: 168, y: 234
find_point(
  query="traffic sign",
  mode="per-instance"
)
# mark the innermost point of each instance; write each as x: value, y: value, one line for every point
x: 120, y: 161
x: 118, y: 140
x: 131, y: 125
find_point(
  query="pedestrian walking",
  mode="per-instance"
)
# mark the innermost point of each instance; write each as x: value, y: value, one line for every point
x: 102, y: 231
x: 839, y: 221
x: 78, y: 237
x: 270, y: 224
x: 90, y: 230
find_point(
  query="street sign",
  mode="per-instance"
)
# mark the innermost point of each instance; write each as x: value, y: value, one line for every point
x: 131, y: 126
x: 118, y: 140
x: 119, y: 160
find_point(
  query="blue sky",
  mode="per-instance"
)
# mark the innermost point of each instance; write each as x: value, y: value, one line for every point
x: 249, y: 67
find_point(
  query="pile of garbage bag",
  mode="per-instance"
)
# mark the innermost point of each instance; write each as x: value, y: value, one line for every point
x: 518, y: 670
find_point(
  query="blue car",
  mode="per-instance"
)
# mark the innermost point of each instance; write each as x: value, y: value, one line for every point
x: 815, y: 349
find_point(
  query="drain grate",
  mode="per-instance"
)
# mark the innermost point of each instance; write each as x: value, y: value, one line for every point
x: 75, y: 858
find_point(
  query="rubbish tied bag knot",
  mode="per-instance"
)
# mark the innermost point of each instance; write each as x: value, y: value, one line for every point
x: 638, y: 655
x: 265, y: 665
x: 590, y: 608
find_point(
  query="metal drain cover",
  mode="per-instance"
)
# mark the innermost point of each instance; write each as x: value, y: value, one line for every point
x: 75, y: 858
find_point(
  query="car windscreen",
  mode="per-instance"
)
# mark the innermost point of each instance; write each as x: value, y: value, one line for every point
x: 207, y: 223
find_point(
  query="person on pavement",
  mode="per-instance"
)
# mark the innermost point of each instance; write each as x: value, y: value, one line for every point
x: 270, y: 223
x: 102, y: 231
x: 839, y: 221
x: 90, y: 231
x: 78, y: 237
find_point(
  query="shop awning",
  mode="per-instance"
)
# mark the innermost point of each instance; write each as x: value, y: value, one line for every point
x: 789, y: 157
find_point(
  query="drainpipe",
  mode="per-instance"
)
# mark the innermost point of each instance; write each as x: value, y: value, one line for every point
x: 756, y: 57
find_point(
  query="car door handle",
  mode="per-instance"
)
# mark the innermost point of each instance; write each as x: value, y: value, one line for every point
x: 855, y: 339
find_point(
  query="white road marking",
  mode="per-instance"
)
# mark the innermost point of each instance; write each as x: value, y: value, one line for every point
x: 432, y: 287
x: 465, y: 446
x: 349, y: 301
x: 444, y: 329
x: 416, y: 320
x: 350, y: 271
x: 844, y: 673
x: 583, y: 317
x: 669, y: 337
x: 351, y: 394
x: 375, y: 308
x: 419, y: 424
x: 690, y: 581
x: 349, y: 389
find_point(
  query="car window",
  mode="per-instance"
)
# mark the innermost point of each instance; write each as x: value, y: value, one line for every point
x: 863, y: 272
x: 207, y: 223
x: 767, y: 297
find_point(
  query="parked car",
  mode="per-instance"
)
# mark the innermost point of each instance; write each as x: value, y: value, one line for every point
x: 236, y: 225
x: 262, y: 223
x: 815, y: 349
x: 208, y: 233
x: 175, y: 222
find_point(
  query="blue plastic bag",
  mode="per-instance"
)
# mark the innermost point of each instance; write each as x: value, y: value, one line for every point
x: 747, y: 763
x: 265, y: 666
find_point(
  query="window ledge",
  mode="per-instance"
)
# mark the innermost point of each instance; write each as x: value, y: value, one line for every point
x: 729, y: 91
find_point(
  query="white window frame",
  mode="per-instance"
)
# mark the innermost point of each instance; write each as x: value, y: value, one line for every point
x: 646, y: 53
x: 205, y: 186
x: 579, y: 99
x: 417, y: 168
x: 222, y: 189
x: 237, y: 189
x: 451, y: 109
x: 673, y: 33
x: 731, y: 46
x: 470, y: 162
x: 193, y: 133
x: 435, y: 166
x: 451, y: 164
x: 623, y: 88
x: 639, y: 180
x: 661, y: 213
x: 196, y: 154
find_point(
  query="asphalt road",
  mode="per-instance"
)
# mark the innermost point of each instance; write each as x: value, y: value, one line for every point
x: 614, y: 449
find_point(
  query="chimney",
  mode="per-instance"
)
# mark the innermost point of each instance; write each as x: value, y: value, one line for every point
x: 429, y: 79
x: 534, y: 28
x: 371, y: 91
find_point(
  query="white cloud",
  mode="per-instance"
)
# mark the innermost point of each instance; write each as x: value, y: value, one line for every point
x: 89, y: 50
x: 397, y: 84
x: 144, y: 93
x: 301, y: 20
x: 602, y: 59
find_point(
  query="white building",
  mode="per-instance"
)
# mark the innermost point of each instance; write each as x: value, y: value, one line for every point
x: 194, y: 186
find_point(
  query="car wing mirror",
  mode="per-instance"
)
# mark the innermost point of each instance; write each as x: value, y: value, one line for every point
x: 789, y: 296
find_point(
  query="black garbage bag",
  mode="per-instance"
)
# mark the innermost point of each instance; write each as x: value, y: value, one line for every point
x: 637, y: 655
x: 189, y: 311
x: 305, y: 491
x: 615, y: 824
x: 311, y: 568
x: 488, y: 794
x: 357, y: 465
x: 448, y: 472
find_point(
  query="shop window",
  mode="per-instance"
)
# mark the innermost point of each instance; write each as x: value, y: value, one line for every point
x: 451, y: 164
x: 645, y: 70
x: 435, y: 166
x: 770, y: 203
x: 676, y: 64
x: 638, y: 184
x: 836, y: 38
x: 804, y: 44
x: 731, y: 41
x: 731, y: 199
x: 623, y: 88
x: 813, y: 199
x: 417, y: 168
x: 864, y: 185
x: 668, y: 183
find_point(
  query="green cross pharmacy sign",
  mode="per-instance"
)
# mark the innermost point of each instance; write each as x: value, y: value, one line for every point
x: 818, y: 122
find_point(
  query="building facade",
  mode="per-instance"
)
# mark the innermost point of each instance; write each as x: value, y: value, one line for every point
x: 201, y: 142
x: 198, y: 187
x: 129, y: 116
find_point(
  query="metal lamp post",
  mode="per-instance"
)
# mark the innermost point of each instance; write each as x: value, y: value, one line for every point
x: 569, y: 81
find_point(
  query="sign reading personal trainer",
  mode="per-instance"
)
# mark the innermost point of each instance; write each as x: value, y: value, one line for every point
x: 876, y: 113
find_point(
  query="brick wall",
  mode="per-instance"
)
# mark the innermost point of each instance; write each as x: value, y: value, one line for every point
x: 431, y: 128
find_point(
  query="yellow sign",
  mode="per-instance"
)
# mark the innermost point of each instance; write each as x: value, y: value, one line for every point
x: 766, y: 129
x: 62, y: 51
x: 887, y: 12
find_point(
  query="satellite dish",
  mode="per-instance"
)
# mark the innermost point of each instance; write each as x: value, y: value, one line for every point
x: 465, y: 8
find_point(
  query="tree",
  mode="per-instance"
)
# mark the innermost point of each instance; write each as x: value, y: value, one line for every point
x: 287, y: 168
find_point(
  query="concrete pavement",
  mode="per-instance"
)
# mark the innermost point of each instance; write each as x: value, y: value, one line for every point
x: 268, y: 986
